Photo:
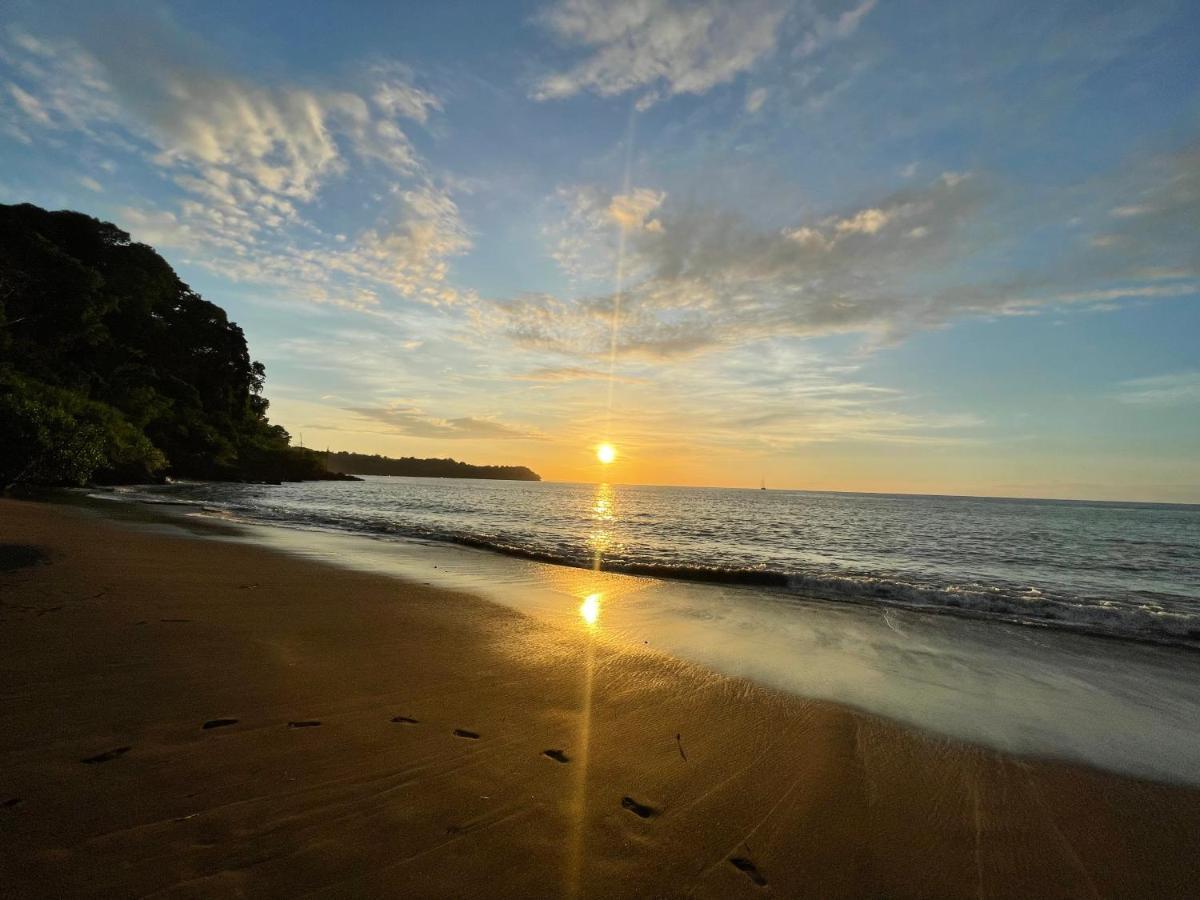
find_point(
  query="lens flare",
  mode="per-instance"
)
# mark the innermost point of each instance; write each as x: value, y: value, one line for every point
x: 590, y: 608
x: 606, y: 453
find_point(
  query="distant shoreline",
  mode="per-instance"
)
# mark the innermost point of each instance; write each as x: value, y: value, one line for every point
x: 415, y: 467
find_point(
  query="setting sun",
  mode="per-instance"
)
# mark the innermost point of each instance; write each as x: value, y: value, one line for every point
x: 606, y: 453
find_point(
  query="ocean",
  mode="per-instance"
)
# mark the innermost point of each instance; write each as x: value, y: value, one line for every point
x: 1128, y: 570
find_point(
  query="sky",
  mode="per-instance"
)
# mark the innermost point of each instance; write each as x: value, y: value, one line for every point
x: 868, y: 245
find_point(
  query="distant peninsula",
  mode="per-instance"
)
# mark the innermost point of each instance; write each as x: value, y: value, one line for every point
x: 374, y: 464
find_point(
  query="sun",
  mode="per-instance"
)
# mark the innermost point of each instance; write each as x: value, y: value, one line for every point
x: 606, y: 453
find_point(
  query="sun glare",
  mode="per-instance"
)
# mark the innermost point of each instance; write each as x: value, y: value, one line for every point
x: 590, y: 608
x: 606, y: 453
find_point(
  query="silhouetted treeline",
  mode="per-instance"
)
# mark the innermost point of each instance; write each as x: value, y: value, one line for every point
x: 114, y: 370
x: 363, y: 464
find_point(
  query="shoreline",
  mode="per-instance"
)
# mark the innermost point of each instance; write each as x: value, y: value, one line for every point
x: 131, y: 638
x: 1124, y: 706
x: 842, y: 588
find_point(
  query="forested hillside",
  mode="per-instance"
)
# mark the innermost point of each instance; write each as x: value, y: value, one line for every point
x: 363, y: 464
x: 112, y: 369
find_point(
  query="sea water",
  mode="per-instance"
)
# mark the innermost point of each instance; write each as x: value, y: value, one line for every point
x: 1122, y: 569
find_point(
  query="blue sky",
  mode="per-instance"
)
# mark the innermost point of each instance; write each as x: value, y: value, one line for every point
x: 932, y: 247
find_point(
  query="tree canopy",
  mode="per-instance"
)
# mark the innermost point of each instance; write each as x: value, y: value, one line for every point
x: 112, y: 369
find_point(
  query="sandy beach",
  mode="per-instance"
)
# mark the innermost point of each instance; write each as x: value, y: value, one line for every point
x: 183, y: 717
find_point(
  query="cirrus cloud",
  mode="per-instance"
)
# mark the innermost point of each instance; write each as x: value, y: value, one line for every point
x: 666, y: 48
x: 251, y: 159
x: 680, y: 48
x: 705, y: 279
x: 1176, y: 389
x: 411, y: 421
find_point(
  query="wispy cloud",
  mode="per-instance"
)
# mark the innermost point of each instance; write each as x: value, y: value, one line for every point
x: 29, y: 104
x: 574, y: 373
x: 414, y: 422
x: 1148, y: 217
x: 1178, y: 389
x: 823, y: 29
x: 659, y: 45
x: 664, y: 48
x: 773, y: 399
x: 251, y: 158
x: 704, y: 279
x: 585, y: 233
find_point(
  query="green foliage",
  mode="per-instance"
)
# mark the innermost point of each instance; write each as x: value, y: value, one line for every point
x: 44, y: 443
x: 57, y: 436
x: 112, y: 368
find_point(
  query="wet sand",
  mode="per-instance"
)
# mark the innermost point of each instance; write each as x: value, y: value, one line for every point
x: 187, y: 718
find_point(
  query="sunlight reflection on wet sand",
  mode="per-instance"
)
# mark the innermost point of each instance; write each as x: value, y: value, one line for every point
x: 603, y: 511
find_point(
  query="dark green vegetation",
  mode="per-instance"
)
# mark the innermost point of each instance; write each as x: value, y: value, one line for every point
x: 362, y: 464
x: 114, y: 370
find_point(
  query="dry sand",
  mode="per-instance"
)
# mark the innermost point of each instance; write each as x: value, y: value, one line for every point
x: 122, y: 644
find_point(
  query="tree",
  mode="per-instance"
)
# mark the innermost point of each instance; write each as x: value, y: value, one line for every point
x: 111, y: 367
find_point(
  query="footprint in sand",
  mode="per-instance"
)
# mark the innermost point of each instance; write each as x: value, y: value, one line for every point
x: 218, y: 723
x: 749, y: 869
x: 107, y: 755
x: 557, y: 755
x: 404, y: 720
x: 463, y: 733
x: 638, y: 809
x: 304, y: 723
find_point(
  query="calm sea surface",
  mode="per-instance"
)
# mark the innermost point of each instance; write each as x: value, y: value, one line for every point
x: 1127, y: 570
